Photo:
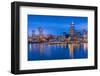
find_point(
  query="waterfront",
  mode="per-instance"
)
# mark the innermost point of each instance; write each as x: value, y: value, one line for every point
x: 45, y: 51
x: 57, y: 37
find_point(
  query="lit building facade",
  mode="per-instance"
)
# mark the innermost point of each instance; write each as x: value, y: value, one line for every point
x: 72, y: 29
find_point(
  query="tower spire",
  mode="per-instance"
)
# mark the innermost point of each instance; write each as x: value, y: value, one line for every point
x: 72, y: 24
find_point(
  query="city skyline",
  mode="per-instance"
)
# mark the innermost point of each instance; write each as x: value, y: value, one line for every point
x: 57, y: 37
x: 50, y: 23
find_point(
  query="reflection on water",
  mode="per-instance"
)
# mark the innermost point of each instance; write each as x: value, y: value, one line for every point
x: 44, y: 51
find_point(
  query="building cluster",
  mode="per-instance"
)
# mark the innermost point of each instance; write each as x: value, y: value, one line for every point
x: 73, y: 36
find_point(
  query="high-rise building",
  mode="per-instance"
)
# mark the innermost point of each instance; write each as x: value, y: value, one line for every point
x: 40, y: 30
x: 85, y: 35
x: 72, y: 29
x: 33, y: 33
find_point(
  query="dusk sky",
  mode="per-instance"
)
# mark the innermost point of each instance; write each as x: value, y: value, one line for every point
x: 55, y: 25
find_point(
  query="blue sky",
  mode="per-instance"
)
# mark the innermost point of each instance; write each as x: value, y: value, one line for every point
x: 55, y: 25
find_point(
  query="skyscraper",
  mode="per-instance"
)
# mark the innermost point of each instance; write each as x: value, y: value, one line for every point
x: 72, y: 29
x: 33, y: 33
x: 40, y: 30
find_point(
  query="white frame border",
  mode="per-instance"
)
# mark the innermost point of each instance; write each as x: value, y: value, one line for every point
x: 26, y: 65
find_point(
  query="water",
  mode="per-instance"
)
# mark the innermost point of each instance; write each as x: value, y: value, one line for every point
x: 44, y: 51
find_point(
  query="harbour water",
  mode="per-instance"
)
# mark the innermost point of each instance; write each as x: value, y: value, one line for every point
x: 45, y: 51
